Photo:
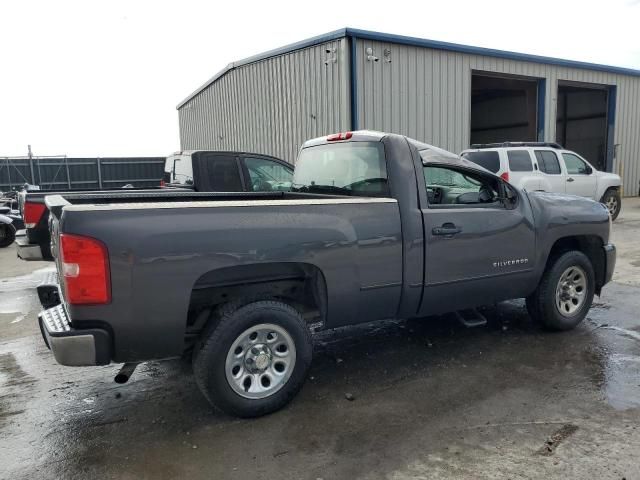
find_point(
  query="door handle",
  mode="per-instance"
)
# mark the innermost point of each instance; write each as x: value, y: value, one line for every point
x: 569, y: 179
x: 446, y: 229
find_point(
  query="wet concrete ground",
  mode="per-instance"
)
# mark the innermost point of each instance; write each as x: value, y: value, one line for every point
x: 431, y: 400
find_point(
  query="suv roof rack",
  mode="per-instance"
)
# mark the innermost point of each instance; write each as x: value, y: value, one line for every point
x: 517, y: 144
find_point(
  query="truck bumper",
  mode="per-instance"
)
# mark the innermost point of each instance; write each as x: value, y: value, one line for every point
x: 27, y: 251
x: 610, y: 261
x: 73, y: 347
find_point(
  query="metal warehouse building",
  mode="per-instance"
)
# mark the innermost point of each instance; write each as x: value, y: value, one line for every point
x: 445, y: 94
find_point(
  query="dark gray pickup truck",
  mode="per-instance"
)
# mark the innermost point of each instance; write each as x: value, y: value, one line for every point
x: 376, y: 226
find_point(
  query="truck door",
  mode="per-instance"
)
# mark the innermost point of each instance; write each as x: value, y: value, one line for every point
x: 552, y: 177
x: 580, y: 177
x: 479, y: 246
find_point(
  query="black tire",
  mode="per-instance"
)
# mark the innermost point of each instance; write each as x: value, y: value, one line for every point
x: 611, y: 199
x: 542, y: 304
x: 232, y: 321
x: 7, y: 234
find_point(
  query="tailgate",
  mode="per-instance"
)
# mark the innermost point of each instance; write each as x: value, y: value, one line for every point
x: 55, y: 204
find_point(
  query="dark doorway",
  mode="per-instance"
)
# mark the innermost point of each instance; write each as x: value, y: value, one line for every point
x: 503, y: 109
x: 581, y: 122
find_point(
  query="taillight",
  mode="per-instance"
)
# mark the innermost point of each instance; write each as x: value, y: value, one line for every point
x: 339, y: 136
x: 85, y: 270
x: 505, y: 176
x: 33, y: 213
x: 162, y: 184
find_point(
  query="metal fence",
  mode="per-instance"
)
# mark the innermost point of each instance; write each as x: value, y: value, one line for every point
x: 63, y: 173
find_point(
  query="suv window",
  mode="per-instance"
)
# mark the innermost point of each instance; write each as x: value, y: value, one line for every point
x: 575, y: 165
x: 449, y: 186
x: 548, y: 162
x: 267, y: 175
x: 519, y: 161
x: 487, y: 159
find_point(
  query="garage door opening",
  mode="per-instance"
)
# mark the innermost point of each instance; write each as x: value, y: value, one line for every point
x: 581, y: 122
x: 504, y: 109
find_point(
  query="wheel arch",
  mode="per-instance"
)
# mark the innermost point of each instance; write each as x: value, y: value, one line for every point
x: 590, y: 245
x: 602, y: 191
x: 299, y: 284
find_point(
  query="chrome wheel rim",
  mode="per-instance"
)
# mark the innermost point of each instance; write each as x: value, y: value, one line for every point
x: 260, y: 361
x: 571, y: 291
x: 612, y: 204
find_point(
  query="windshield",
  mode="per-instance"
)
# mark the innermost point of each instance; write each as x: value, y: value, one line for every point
x: 353, y: 168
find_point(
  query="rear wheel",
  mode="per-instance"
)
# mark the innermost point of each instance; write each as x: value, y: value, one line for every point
x: 565, y: 293
x: 254, y: 359
x: 7, y: 234
x: 611, y: 199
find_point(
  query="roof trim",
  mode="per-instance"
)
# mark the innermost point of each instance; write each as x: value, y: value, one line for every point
x: 413, y: 41
x: 489, y: 52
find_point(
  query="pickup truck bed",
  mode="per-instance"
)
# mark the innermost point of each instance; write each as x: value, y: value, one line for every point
x: 379, y: 226
x: 193, y: 171
x: 34, y: 241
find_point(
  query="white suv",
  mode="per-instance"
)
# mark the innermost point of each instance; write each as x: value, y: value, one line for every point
x: 547, y: 167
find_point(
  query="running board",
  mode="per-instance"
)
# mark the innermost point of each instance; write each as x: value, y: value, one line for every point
x: 471, y: 318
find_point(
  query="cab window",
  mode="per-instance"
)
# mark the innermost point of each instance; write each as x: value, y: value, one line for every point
x: 449, y: 186
x: 266, y: 175
x: 224, y: 174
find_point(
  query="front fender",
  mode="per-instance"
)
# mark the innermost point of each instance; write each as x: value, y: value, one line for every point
x: 559, y: 216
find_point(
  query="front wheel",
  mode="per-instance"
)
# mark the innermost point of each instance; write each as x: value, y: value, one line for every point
x: 254, y: 359
x: 565, y: 293
x: 7, y: 234
x: 611, y: 199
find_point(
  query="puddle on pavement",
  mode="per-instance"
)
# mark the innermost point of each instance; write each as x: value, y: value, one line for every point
x: 14, y: 383
x: 16, y: 293
x: 620, y: 369
x: 622, y: 381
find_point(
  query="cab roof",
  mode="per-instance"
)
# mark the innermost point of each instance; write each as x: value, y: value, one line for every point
x: 429, y: 154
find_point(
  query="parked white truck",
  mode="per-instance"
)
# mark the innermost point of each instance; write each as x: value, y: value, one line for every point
x: 547, y: 167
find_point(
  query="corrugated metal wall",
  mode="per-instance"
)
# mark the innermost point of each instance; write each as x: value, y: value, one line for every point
x: 426, y: 94
x: 81, y: 173
x: 272, y: 106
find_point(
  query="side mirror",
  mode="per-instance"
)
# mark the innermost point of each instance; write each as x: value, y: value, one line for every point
x: 588, y: 170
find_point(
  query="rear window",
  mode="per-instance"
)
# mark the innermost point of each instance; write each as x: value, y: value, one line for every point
x: 487, y: 159
x: 350, y: 168
x: 223, y: 173
x: 548, y: 162
x: 519, y: 161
